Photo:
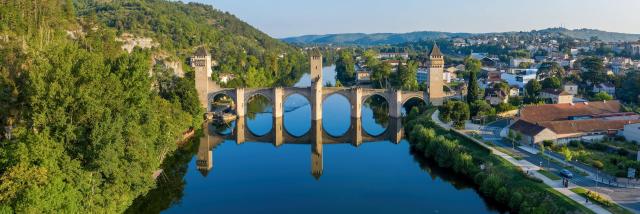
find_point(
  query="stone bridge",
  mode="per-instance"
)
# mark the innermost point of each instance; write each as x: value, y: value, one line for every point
x: 355, y: 95
x: 208, y: 91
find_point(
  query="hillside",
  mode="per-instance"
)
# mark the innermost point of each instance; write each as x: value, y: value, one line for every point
x: 180, y: 28
x: 371, y: 39
x: 588, y: 33
x: 397, y: 38
x: 85, y: 124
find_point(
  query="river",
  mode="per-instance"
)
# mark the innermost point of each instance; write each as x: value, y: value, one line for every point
x: 258, y: 177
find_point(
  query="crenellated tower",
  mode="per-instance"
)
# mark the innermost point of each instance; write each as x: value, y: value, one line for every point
x: 436, y: 70
x: 201, y: 63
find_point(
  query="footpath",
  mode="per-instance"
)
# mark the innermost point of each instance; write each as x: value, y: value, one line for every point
x: 526, y: 167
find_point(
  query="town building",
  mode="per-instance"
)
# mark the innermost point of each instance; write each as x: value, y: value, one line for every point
x: 605, y: 87
x: 363, y: 76
x: 571, y: 88
x: 393, y: 55
x: 515, y: 63
x: 496, y: 96
x: 519, y: 77
x: 226, y: 77
x: 586, y: 121
x: 556, y: 96
x: 632, y: 132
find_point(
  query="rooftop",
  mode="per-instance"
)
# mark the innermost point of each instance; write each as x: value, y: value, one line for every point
x: 435, y: 51
x: 585, y: 126
x: 556, y: 112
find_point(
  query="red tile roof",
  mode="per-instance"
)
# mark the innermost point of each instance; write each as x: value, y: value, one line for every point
x: 585, y: 126
x: 557, y: 112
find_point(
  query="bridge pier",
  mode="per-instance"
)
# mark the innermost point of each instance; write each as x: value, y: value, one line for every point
x: 356, y: 131
x: 356, y: 102
x: 395, y: 130
x: 240, y: 130
x: 240, y: 108
x: 278, y: 102
x: 278, y: 131
x: 395, y: 103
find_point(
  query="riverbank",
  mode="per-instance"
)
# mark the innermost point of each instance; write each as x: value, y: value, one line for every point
x: 495, y: 177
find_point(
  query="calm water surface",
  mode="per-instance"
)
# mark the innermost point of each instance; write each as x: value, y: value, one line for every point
x: 258, y: 177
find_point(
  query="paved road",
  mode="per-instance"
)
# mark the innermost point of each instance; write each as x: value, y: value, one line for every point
x: 628, y: 197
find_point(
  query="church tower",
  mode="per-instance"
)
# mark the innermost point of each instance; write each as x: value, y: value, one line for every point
x: 436, y: 70
x: 201, y: 63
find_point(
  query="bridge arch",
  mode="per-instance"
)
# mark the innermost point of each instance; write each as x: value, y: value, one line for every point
x: 338, y: 110
x: 296, y: 110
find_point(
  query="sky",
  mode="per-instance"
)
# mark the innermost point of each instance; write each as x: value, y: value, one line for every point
x: 285, y: 18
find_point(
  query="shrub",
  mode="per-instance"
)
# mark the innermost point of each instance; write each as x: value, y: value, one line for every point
x: 597, y: 164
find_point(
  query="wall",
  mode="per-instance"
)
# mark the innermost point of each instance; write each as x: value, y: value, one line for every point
x: 632, y: 132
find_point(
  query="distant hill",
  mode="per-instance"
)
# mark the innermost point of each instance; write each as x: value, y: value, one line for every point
x: 588, y: 33
x: 372, y: 39
x: 396, y: 38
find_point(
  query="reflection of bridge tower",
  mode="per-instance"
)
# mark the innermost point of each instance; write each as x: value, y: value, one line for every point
x: 204, y: 162
x: 316, y: 149
x: 436, y: 69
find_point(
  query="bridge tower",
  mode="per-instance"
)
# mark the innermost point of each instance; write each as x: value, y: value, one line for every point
x: 315, y: 63
x: 436, y: 69
x: 201, y: 63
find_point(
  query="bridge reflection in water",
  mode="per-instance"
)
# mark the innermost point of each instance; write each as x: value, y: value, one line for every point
x: 316, y: 137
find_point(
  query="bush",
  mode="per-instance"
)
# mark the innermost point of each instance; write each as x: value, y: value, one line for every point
x: 597, y: 164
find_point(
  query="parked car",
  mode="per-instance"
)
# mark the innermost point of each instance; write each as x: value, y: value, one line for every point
x: 566, y: 173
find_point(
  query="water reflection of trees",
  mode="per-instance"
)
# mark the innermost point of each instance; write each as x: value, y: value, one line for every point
x: 457, y: 181
x: 170, y: 184
x: 256, y: 105
x: 380, y: 108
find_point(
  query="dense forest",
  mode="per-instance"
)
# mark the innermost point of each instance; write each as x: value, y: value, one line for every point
x: 179, y: 28
x: 84, y: 123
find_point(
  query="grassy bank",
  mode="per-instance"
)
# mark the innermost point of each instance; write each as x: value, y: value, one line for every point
x: 495, y: 177
x: 598, y: 199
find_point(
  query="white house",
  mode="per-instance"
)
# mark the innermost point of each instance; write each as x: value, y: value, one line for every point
x: 632, y: 132
x: 605, y: 87
x: 571, y: 88
x: 519, y: 77
x: 517, y: 61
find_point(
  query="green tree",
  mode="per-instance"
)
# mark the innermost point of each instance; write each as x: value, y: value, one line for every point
x: 593, y: 70
x: 525, y: 65
x: 600, y: 96
x: 473, y: 91
x: 345, y: 67
x: 380, y: 75
x: 550, y: 69
x: 406, y: 76
x: 481, y: 108
x: 551, y: 83
x: 533, y: 88
x: 630, y: 87
x: 567, y: 153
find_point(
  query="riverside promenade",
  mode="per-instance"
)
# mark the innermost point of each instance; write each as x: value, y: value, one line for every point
x: 526, y: 166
